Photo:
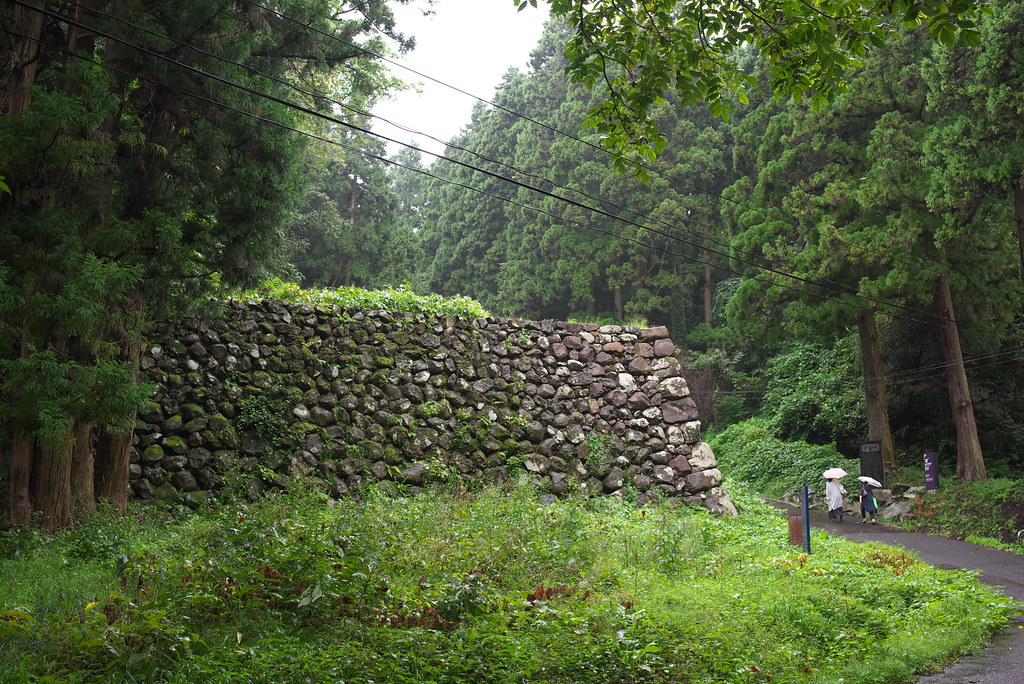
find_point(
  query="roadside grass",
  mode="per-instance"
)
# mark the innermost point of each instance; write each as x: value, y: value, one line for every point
x: 988, y: 512
x: 487, y: 586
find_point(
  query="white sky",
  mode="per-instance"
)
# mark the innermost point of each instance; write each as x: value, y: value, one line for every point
x: 468, y: 44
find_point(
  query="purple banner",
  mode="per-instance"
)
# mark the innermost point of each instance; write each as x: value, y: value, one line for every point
x: 931, y: 470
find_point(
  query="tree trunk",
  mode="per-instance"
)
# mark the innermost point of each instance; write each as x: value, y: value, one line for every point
x: 113, y: 458
x: 874, y: 388
x: 51, y: 484
x: 708, y: 297
x: 23, y: 447
x: 83, y: 496
x: 18, y: 73
x: 970, y: 463
x: 351, y: 259
x: 20, y: 504
x: 708, y: 289
x: 83, y: 499
x: 618, y: 303
x: 1018, y: 213
x: 349, y: 263
x: 114, y: 450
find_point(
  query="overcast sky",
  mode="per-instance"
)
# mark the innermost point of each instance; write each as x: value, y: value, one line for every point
x: 468, y: 44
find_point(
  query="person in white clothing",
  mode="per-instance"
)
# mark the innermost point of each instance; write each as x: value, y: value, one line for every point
x: 834, y: 499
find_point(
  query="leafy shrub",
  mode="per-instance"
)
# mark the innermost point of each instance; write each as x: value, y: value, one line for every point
x: 987, y: 508
x: 816, y: 395
x: 607, y: 318
x: 263, y: 415
x: 400, y: 299
x: 749, y: 452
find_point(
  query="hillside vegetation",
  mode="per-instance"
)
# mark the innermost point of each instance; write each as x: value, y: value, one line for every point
x: 483, y: 586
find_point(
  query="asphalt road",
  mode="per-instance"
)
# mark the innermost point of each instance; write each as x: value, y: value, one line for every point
x: 1003, y: 661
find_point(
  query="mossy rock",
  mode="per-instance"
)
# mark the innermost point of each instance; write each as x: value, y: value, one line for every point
x: 166, y: 492
x: 223, y: 439
x: 218, y: 422
x: 175, y: 444
x: 392, y: 456
x: 261, y: 380
x: 302, y: 428
x: 172, y: 424
x: 192, y: 411
x: 371, y: 450
x: 152, y: 412
x: 154, y: 453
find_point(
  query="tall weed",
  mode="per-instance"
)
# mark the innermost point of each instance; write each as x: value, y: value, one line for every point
x: 491, y: 586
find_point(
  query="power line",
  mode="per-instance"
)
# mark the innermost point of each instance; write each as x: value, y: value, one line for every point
x: 369, y: 115
x: 605, y: 151
x: 824, y: 282
x: 365, y: 131
x: 637, y: 164
x: 387, y: 161
x: 513, y: 181
x: 906, y: 376
x: 352, y: 148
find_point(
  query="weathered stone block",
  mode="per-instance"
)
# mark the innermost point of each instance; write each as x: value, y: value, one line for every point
x: 373, y: 383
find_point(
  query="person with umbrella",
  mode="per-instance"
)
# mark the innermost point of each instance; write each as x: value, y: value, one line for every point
x: 868, y: 507
x: 834, y: 493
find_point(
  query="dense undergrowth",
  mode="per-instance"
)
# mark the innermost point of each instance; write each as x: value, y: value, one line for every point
x: 989, y: 512
x: 750, y: 452
x: 388, y: 299
x: 488, y: 586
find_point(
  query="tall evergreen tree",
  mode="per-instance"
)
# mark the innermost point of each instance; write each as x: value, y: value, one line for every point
x: 138, y: 183
x: 639, y: 52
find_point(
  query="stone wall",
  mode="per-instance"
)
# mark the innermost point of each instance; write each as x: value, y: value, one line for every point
x: 270, y: 390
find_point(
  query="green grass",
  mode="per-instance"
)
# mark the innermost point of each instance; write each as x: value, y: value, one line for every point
x: 490, y: 586
x: 989, y: 512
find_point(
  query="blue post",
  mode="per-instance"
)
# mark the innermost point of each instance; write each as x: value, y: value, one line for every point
x: 807, y: 521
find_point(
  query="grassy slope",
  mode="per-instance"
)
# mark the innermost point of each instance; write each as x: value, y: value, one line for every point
x: 482, y: 587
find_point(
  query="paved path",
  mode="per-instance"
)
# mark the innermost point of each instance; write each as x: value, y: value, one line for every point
x: 1003, y: 661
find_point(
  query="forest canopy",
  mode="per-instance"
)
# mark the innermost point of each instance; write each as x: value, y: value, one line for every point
x: 845, y: 259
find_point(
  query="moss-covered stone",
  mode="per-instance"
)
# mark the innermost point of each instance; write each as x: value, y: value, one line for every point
x: 190, y: 411
x: 154, y: 453
x: 152, y: 412
x: 219, y: 422
x: 470, y: 393
x: 166, y: 492
x: 261, y: 380
x: 175, y: 444
x: 172, y: 424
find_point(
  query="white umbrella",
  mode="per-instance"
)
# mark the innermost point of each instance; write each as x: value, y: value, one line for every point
x: 870, y: 480
x: 833, y: 473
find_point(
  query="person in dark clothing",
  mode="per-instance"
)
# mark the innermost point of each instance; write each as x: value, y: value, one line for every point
x: 868, y: 507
